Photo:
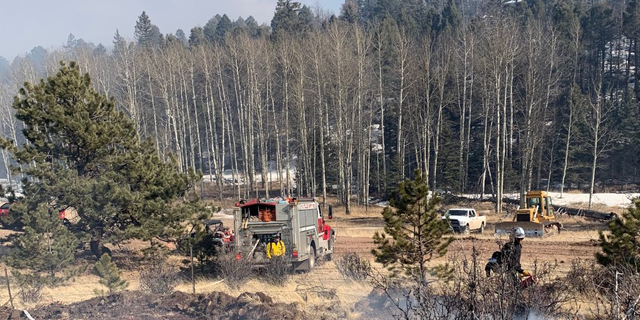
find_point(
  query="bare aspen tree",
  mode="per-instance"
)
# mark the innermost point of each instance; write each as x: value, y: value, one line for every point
x: 317, y: 44
x: 204, y: 55
x: 125, y: 59
x: 223, y: 101
x: 441, y: 74
x: 8, y: 127
x: 404, y: 46
x: 192, y: 68
x: 360, y: 130
x: 598, y: 117
x: 575, y: 33
x: 465, y: 62
x: 263, y: 62
x: 426, y: 112
x: 380, y: 44
x: 536, y: 65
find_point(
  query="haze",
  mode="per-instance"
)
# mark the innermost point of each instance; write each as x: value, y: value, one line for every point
x: 46, y: 23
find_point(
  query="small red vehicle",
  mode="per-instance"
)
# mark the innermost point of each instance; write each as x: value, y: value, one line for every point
x: 4, y: 209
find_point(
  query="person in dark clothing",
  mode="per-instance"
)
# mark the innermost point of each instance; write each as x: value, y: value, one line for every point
x: 508, y: 257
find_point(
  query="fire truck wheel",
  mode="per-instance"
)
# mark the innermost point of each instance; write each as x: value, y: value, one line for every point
x: 312, y: 258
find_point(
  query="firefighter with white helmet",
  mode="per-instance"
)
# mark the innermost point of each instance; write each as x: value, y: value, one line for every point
x: 509, y: 257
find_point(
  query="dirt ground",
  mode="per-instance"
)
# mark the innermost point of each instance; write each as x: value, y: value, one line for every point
x: 177, y: 306
x: 577, y: 241
x: 323, y: 294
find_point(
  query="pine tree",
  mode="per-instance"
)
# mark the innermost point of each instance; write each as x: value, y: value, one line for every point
x: 350, y: 11
x: 305, y: 16
x: 109, y: 276
x: 285, y: 20
x: 146, y: 33
x: 224, y: 26
x: 417, y: 230
x: 450, y: 16
x: 240, y: 23
x: 621, y: 248
x: 181, y: 36
x: 252, y: 26
x: 46, y: 248
x: 210, y: 27
x: 84, y: 154
x: 196, y: 37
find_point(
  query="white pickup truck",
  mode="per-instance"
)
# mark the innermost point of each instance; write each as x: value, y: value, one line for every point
x: 465, y: 220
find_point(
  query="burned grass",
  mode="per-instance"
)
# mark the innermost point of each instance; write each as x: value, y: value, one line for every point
x: 177, y: 306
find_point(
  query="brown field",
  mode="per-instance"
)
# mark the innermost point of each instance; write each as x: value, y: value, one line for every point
x: 315, y: 291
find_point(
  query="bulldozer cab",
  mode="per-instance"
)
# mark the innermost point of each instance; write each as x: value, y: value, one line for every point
x: 537, y: 208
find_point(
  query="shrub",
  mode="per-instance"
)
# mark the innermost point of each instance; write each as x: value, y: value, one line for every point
x: 353, y: 267
x: 160, y: 279
x: 235, y: 272
x: 30, y: 287
x: 277, y: 271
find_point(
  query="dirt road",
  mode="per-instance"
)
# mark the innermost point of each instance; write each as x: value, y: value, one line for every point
x: 541, y: 250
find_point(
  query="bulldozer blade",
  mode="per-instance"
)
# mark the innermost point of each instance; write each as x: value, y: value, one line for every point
x: 531, y: 229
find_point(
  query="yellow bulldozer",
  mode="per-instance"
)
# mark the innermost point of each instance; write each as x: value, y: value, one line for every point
x: 536, y: 218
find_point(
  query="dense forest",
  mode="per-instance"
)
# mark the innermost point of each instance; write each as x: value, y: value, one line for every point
x: 482, y: 96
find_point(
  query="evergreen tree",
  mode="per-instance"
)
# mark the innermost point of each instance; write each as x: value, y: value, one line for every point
x: 286, y: 20
x: 631, y: 29
x: 224, y: 26
x: 71, y: 41
x: 45, y: 251
x: 377, y: 10
x: 252, y: 26
x: 627, y: 144
x: 196, y: 37
x: 240, y: 23
x: 182, y: 36
x: 449, y: 163
x: 305, y: 16
x: 350, y: 11
x: 38, y: 57
x: 100, y: 50
x: 210, y: 28
x: 84, y: 154
x: 631, y: 20
x: 599, y: 29
x: 621, y: 248
x: 119, y: 44
x: 450, y: 17
x: 417, y: 230
x: 146, y: 33
x: 109, y: 276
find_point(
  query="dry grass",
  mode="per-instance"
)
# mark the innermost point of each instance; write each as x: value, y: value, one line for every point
x: 318, y: 288
x: 81, y: 288
x: 352, y: 314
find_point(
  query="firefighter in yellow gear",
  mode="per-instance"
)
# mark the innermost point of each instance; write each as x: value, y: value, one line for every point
x: 276, y: 248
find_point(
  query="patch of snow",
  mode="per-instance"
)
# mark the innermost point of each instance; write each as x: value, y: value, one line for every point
x: 621, y: 200
x: 610, y: 199
x: 382, y: 204
x: 224, y: 214
x: 272, y: 176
